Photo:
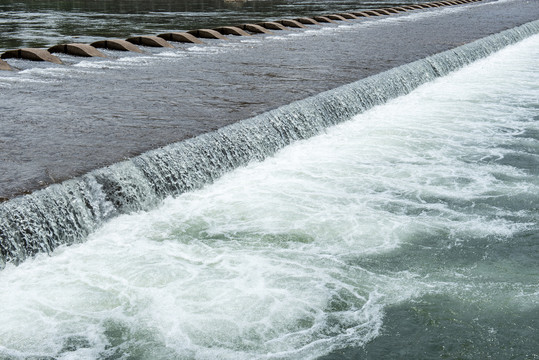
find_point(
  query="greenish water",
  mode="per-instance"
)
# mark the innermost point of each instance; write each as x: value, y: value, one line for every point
x: 408, y: 232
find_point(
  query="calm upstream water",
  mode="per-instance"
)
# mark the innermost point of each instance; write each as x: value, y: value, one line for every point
x: 45, y: 23
x: 409, y: 231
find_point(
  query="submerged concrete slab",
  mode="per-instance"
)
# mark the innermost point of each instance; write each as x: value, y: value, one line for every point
x: 116, y: 44
x: 291, y: 23
x: 153, y: 41
x: 4, y: 65
x: 231, y: 30
x: 83, y: 50
x: 307, y: 21
x: 207, y: 34
x: 256, y: 29
x: 180, y: 37
x: 33, y: 54
x: 272, y: 25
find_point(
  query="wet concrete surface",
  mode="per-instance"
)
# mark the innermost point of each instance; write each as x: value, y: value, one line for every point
x: 61, y: 121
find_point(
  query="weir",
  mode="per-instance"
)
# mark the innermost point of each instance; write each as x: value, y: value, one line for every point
x: 66, y: 213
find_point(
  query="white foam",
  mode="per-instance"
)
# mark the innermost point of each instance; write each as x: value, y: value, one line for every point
x: 261, y: 264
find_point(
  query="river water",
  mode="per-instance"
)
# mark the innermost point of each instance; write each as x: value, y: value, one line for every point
x: 46, y: 23
x: 62, y: 121
x: 409, y: 230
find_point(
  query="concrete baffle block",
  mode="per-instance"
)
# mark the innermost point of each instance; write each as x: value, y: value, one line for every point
x: 231, y: 30
x: 391, y: 10
x: 323, y: 19
x: 33, y: 54
x: 307, y: 21
x: 152, y: 41
x: 291, y: 23
x: 180, y: 37
x: 207, y: 34
x: 347, y: 16
x: 256, y: 29
x: 83, y: 50
x: 5, y: 66
x: 116, y: 44
x: 360, y: 14
x: 399, y: 9
x: 336, y: 17
x: 272, y: 25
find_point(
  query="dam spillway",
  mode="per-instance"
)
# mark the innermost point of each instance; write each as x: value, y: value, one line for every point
x: 409, y: 229
x: 97, y: 112
x: 66, y: 213
x: 393, y: 214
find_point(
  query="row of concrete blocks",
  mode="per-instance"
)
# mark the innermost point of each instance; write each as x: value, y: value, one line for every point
x: 194, y: 36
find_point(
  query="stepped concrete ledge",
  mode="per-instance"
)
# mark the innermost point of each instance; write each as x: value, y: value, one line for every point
x: 307, y: 21
x: 33, y: 54
x: 153, y: 41
x: 257, y: 29
x: 336, y: 17
x: 83, y: 50
x: 272, y: 25
x: 116, y: 44
x: 291, y: 23
x: 180, y: 37
x: 4, y: 65
x: 207, y: 34
x: 231, y: 30
x: 323, y: 19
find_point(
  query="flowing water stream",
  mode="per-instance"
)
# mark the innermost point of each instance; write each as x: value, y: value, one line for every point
x: 410, y: 229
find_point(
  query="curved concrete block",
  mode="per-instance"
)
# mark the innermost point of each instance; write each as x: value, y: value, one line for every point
x: 348, y: 15
x: 207, y: 34
x: 336, y: 17
x: 272, y: 25
x: 360, y: 14
x: 153, y: 41
x: 373, y: 12
x: 33, y: 54
x: 83, y: 50
x: 391, y: 10
x: 4, y: 65
x: 256, y: 29
x: 323, y: 19
x: 180, y: 37
x: 399, y: 9
x: 307, y: 21
x: 231, y: 30
x: 412, y: 7
x: 116, y: 44
x: 291, y: 23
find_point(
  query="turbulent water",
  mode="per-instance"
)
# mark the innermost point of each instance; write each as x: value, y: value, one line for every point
x: 410, y: 230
